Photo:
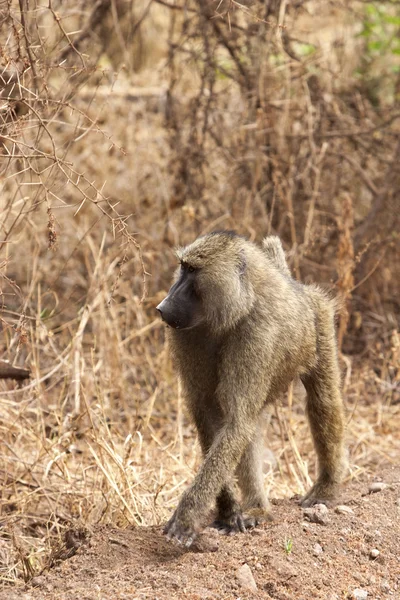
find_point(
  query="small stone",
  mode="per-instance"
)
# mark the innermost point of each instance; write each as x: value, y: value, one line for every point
x: 345, y: 531
x: 257, y: 531
x: 376, y: 486
x: 359, y: 594
x: 342, y: 509
x: 358, y: 576
x: 321, y: 508
x: 202, y: 545
x: 374, y: 553
x: 258, y: 566
x: 245, y: 578
x: 317, y: 514
x: 38, y: 581
x: 385, y: 587
x: 317, y: 549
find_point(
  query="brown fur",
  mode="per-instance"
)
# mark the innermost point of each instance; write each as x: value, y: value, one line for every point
x: 259, y: 330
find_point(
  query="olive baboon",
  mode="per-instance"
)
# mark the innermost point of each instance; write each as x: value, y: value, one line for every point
x: 241, y: 330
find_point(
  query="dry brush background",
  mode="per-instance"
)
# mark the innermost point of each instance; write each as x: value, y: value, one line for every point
x: 129, y: 127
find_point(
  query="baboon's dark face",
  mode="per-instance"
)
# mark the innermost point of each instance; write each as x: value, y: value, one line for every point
x: 212, y: 286
x: 182, y: 307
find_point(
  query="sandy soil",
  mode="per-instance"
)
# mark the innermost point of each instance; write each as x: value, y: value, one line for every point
x: 352, y: 554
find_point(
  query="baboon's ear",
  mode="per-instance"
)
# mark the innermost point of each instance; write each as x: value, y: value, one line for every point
x: 178, y: 253
x: 242, y: 263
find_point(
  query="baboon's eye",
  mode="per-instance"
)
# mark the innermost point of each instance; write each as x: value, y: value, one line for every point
x: 191, y: 269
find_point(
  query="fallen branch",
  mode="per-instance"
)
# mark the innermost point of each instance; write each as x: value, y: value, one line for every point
x: 7, y: 371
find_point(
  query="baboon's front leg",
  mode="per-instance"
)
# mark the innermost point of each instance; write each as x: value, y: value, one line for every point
x: 241, y: 393
x: 208, y: 419
x: 218, y: 466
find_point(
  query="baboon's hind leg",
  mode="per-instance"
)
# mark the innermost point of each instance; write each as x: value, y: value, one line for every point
x: 326, y: 416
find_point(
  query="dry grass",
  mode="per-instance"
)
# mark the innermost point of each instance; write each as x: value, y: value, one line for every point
x: 120, y: 448
x: 91, y: 211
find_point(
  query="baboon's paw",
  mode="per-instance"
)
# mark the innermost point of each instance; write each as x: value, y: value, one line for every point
x: 180, y: 530
x: 241, y: 522
x: 318, y: 495
x: 257, y: 516
x: 312, y: 501
x: 231, y: 524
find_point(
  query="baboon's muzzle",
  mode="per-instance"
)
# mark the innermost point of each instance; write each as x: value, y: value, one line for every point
x: 181, y: 308
x: 176, y: 309
x: 168, y: 313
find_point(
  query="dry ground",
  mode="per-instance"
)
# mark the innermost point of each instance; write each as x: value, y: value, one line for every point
x: 290, y: 558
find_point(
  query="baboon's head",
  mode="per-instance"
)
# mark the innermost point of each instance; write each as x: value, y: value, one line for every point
x: 212, y: 285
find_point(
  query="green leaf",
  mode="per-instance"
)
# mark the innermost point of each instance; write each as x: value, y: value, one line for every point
x: 375, y: 45
x: 368, y: 29
x: 304, y: 49
x: 392, y: 20
x: 372, y: 10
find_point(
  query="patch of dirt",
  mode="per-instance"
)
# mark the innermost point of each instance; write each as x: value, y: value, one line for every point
x: 355, y: 552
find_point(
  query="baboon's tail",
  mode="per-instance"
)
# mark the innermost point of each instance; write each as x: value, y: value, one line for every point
x: 272, y: 246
